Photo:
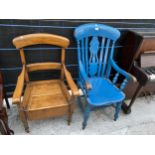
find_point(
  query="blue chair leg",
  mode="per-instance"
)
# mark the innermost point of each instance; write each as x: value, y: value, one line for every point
x: 80, y: 104
x: 86, y: 116
x: 117, y: 110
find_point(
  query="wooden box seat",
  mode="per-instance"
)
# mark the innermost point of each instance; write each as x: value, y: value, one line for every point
x: 43, y: 96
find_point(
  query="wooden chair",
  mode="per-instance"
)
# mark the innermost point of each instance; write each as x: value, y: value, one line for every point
x: 46, y: 98
x: 96, y: 44
x: 4, y: 127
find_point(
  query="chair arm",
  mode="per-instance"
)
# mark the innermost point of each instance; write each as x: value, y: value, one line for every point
x: 84, y: 76
x: 19, y: 87
x: 70, y: 82
x: 127, y: 75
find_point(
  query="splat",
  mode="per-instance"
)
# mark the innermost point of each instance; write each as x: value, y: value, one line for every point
x: 93, y: 60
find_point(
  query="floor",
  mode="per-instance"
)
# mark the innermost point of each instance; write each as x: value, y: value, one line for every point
x: 140, y: 121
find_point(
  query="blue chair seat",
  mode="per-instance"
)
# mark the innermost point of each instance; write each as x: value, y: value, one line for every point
x: 104, y: 92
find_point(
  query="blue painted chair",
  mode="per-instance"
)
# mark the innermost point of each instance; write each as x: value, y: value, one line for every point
x: 96, y: 44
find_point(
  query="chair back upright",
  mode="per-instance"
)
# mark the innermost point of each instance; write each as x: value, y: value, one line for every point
x: 37, y: 39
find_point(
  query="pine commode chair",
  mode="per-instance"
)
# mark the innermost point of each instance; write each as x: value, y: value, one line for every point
x: 45, y: 98
x: 96, y: 45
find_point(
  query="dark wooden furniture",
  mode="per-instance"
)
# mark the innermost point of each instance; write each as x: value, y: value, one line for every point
x: 139, y: 53
x: 46, y: 98
x: 3, y: 94
x: 4, y: 127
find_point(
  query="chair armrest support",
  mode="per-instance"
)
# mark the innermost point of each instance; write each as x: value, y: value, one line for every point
x: 19, y: 88
x: 84, y: 76
x: 141, y: 76
x: 127, y: 75
x: 70, y: 82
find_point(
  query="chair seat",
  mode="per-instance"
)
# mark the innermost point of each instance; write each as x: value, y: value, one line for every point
x: 44, y: 97
x: 104, y: 92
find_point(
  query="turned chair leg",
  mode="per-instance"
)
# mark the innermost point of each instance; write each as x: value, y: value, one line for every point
x: 86, y: 116
x: 117, y: 110
x: 26, y: 126
x: 24, y: 119
x: 70, y: 112
x: 80, y: 104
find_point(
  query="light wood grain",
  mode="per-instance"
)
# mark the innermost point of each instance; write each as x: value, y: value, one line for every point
x: 19, y: 88
x: 65, y: 91
x: 23, y: 60
x: 22, y: 56
x: 40, y: 38
x: 46, y: 98
x: 63, y: 62
x: 43, y: 66
x: 70, y: 82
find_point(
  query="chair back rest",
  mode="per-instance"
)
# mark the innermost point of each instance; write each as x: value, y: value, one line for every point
x: 96, y: 44
x: 38, y: 39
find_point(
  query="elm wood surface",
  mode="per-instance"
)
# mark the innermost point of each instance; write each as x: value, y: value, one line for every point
x: 139, y: 45
x: 46, y: 98
x: 40, y: 38
x: 19, y: 87
x: 43, y: 66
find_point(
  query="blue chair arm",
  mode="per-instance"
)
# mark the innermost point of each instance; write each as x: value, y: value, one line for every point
x: 127, y: 75
x: 84, y: 76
